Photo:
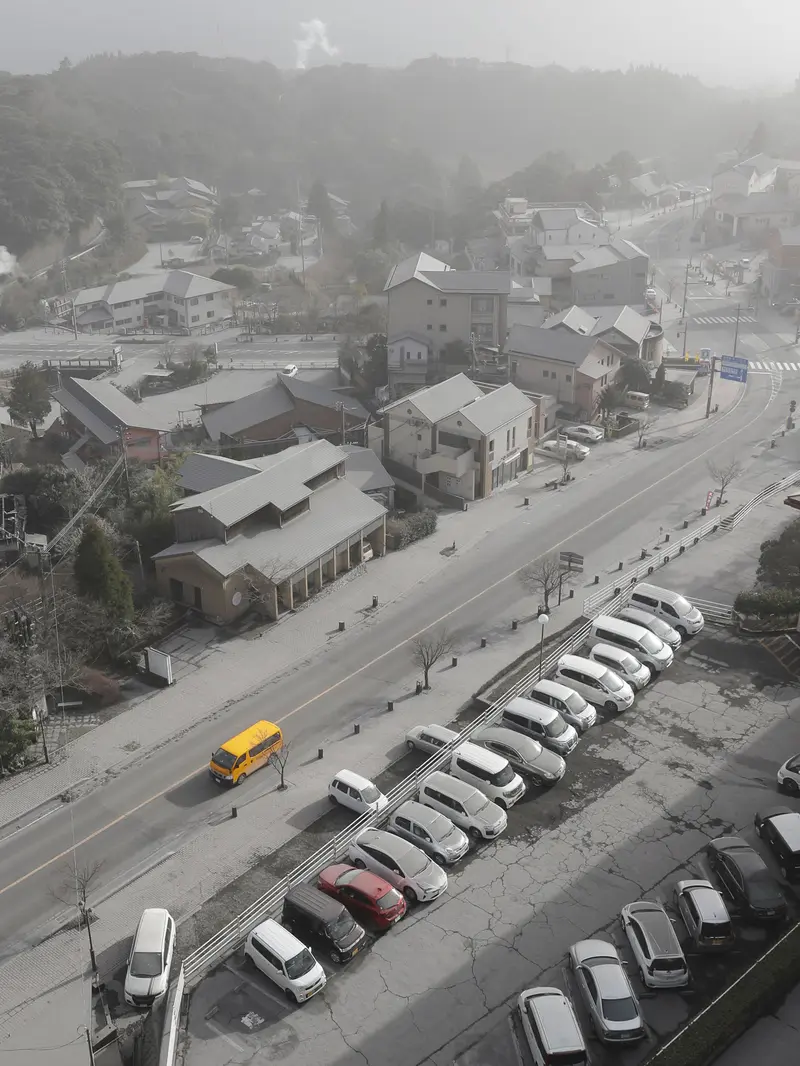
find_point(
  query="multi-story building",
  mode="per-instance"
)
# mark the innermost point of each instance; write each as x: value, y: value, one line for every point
x: 632, y: 334
x: 780, y: 271
x: 173, y: 298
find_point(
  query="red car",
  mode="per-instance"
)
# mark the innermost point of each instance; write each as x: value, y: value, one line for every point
x: 365, y: 894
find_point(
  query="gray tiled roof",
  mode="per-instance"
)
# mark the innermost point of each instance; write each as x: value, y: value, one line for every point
x: 177, y: 282
x: 478, y: 281
x: 554, y: 344
x: 592, y: 258
x: 438, y: 401
x: 412, y: 267
x: 626, y: 249
x: 574, y: 318
x: 100, y: 404
x: 337, y: 511
x: 627, y: 322
x: 97, y: 427
x: 200, y: 472
x: 365, y: 470
x: 497, y: 408
x: 311, y: 393
x: 234, y: 418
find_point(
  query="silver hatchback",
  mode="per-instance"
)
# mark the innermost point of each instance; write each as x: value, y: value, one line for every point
x: 432, y: 832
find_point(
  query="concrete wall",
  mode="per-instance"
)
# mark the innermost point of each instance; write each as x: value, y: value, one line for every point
x: 544, y: 375
x: 443, y: 316
x: 617, y: 283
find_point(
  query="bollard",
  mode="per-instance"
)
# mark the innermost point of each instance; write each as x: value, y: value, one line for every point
x: 650, y: 569
x: 644, y: 553
x: 783, y: 432
x: 418, y: 688
x: 703, y: 511
x: 341, y: 627
x: 527, y: 501
x: 320, y: 753
x: 686, y: 523
x: 483, y: 642
x: 772, y: 443
x: 356, y: 728
x: 666, y: 538
x: 234, y: 812
x: 572, y: 594
x: 617, y: 591
x: 374, y: 601
x: 390, y: 705
x: 454, y: 661
x: 682, y: 549
x: 596, y: 579
x: 619, y: 567
x: 666, y: 560
x: 515, y: 624
x: 696, y: 540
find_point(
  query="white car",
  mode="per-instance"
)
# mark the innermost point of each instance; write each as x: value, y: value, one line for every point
x: 355, y: 792
x: 651, y: 294
x: 705, y: 915
x: 595, y: 682
x: 150, y: 958
x: 551, y: 1028
x: 195, y: 240
x: 559, y: 447
x: 585, y: 434
x: 289, y: 371
x: 655, y: 945
x: 400, y: 863
x: 605, y: 989
x: 432, y: 832
x: 789, y: 776
x: 429, y: 737
x: 623, y: 663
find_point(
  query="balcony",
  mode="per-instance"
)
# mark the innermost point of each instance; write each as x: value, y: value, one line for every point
x: 446, y: 460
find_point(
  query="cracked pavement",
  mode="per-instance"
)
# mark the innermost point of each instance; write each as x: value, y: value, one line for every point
x: 692, y: 759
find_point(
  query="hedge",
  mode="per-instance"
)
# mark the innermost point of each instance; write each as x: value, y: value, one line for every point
x: 410, y: 527
x: 768, y: 602
x: 756, y: 993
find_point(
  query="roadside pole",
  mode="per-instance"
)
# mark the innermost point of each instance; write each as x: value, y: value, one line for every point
x: 736, y: 334
x: 685, y: 289
x: 711, y: 384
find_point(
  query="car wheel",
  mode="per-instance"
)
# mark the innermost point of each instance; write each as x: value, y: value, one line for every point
x: 791, y: 786
x: 501, y: 803
x: 335, y: 956
x: 333, y: 799
x: 475, y: 833
x: 440, y: 860
x: 410, y: 894
x: 292, y: 997
x: 609, y: 706
x: 240, y: 778
x: 411, y: 745
x: 681, y: 633
x: 536, y: 780
x: 360, y: 864
x: 785, y: 872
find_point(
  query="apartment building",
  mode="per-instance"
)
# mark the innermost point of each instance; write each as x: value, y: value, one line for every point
x: 173, y: 298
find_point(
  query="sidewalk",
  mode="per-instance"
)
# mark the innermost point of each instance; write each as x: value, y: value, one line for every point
x: 219, y: 853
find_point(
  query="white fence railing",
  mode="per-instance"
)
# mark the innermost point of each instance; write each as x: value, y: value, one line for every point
x: 721, y: 613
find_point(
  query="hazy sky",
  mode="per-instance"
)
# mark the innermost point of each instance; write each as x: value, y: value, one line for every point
x: 736, y: 42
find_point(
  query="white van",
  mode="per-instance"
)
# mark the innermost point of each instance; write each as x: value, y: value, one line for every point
x: 637, y: 640
x: 463, y: 804
x: 572, y: 707
x: 663, y: 630
x: 489, y: 772
x: 540, y: 722
x: 594, y: 682
x: 284, y: 959
x: 150, y: 958
x: 671, y: 606
x: 623, y: 663
x: 639, y: 400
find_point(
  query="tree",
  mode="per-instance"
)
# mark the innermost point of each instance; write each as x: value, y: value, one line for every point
x: 660, y: 379
x: 319, y: 205
x: 29, y: 400
x: 757, y: 142
x: 78, y: 880
x: 238, y: 276
x: 779, y: 561
x: 644, y: 424
x: 468, y: 181
x: 542, y: 577
x: 456, y: 351
x: 723, y: 475
x: 380, y: 227
x: 377, y: 368
x: 566, y: 456
x: 635, y: 376
x: 349, y: 355
x: 99, y: 573
x: 428, y: 649
x: 52, y: 493
x: 279, y: 759
x: 624, y: 165
x: 609, y: 399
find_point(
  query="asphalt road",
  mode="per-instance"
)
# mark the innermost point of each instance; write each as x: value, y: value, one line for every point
x: 168, y: 797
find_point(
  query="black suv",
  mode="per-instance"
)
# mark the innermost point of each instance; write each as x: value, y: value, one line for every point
x: 780, y: 828
x: 745, y: 877
x: 315, y: 918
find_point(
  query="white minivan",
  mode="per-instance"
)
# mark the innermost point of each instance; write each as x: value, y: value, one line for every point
x: 463, y: 804
x: 636, y: 640
x: 663, y: 630
x: 572, y: 707
x: 284, y: 959
x: 594, y: 682
x: 489, y: 772
x: 623, y: 663
x: 671, y: 606
x: 150, y: 958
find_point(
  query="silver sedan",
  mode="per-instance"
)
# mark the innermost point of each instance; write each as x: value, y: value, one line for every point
x: 604, y: 986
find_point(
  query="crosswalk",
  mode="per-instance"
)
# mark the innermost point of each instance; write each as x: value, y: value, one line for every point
x: 722, y: 320
x: 772, y: 365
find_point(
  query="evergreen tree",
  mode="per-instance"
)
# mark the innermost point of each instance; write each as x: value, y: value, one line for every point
x: 29, y: 401
x: 380, y: 227
x: 319, y: 205
x: 99, y: 574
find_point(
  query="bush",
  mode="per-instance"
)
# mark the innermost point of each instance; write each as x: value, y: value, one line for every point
x: 408, y: 528
x: 768, y: 602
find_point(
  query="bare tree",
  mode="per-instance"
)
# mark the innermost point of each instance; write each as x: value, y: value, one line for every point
x: 428, y: 649
x: 279, y: 759
x: 724, y: 475
x: 567, y: 458
x: 542, y: 577
x: 670, y: 289
x: 642, y: 427
x: 77, y: 881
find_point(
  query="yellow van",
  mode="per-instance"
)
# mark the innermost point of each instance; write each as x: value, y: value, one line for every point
x: 245, y: 753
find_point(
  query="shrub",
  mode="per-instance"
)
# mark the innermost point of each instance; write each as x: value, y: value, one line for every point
x: 768, y: 602
x: 408, y: 528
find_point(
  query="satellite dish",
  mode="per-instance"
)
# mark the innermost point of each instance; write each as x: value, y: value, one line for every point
x: 236, y: 599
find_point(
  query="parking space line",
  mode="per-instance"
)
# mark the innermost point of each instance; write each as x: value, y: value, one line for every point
x: 226, y: 1036
x: 279, y: 1001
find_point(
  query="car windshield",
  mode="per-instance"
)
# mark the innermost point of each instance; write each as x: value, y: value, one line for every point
x: 503, y: 777
x: 145, y: 964
x: 556, y: 727
x: 650, y: 642
x: 793, y: 764
x: 415, y: 862
x: 347, y: 877
x: 682, y: 606
x: 300, y: 964
x: 341, y: 927
x: 762, y: 889
x: 370, y: 794
x: 612, y: 682
x: 223, y: 758
x: 476, y: 803
x: 669, y: 965
x: 661, y: 629
x: 389, y: 900
x: 620, y: 1010
x: 576, y: 704
x: 627, y: 662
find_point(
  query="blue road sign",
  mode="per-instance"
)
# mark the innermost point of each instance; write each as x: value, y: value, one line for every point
x: 733, y: 369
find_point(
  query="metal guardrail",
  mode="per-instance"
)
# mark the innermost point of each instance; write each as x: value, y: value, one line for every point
x: 732, y: 520
x: 721, y: 613
x: 238, y: 364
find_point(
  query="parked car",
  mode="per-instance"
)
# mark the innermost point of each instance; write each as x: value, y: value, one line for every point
x: 150, y: 958
x: 196, y: 240
x: 323, y: 922
x: 594, y: 682
x: 572, y: 707
x: 743, y: 874
x: 559, y: 447
x: 668, y: 605
x: 355, y: 792
x: 541, y: 722
x: 655, y: 945
x: 613, y: 1009
x: 489, y: 772
x: 429, y: 738
x: 551, y: 1028
x: 650, y: 294
x: 637, y: 640
x: 623, y: 663
x: 779, y: 828
x: 289, y: 371
x: 285, y: 960
x: 434, y: 833
x: 525, y: 754
x: 583, y: 434
x: 463, y: 804
x: 662, y: 629
x: 789, y: 776
x: 705, y: 915
x: 401, y: 863
x: 369, y: 897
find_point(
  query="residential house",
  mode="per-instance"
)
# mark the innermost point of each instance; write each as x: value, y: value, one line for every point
x: 780, y: 271
x: 574, y: 368
x: 745, y: 177
x: 170, y: 207
x: 271, y: 538
x: 428, y: 298
x: 99, y: 420
x: 613, y: 274
x: 458, y: 437
x: 172, y: 298
x: 754, y: 215
x: 566, y: 225
x: 409, y: 358
x: 632, y: 334
x: 647, y: 190
x: 515, y: 215
x: 269, y: 420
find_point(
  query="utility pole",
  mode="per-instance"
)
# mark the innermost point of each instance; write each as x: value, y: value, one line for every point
x: 736, y: 334
x: 124, y: 446
x: 711, y: 384
x: 340, y: 408
x: 300, y: 234
x: 685, y: 338
x: 685, y: 289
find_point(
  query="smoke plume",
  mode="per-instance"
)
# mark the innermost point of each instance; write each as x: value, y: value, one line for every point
x: 7, y: 261
x: 315, y: 35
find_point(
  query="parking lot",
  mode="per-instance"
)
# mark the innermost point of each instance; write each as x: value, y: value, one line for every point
x: 693, y: 759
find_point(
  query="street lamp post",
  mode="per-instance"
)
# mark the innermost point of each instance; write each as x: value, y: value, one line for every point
x: 542, y: 619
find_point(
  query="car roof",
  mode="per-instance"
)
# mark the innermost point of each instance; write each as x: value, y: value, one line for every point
x: 394, y: 845
x: 710, y: 904
x: 594, y: 949
x: 579, y: 662
x: 557, y: 1023
x: 481, y: 757
x: 439, y: 731
x: 415, y: 809
x: 619, y: 626
x: 788, y: 825
x: 616, y: 654
x: 554, y: 688
x: 349, y: 777
x: 526, y: 746
x: 372, y: 885
x: 245, y: 740
x: 728, y: 843
x: 612, y: 982
x: 540, y: 711
x: 274, y: 936
x: 152, y: 926
x: 314, y: 901
x: 459, y: 790
x: 656, y: 924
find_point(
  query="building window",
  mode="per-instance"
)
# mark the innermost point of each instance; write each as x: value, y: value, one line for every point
x: 545, y: 373
x: 442, y: 329
x: 491, y: 446
x: 443, y: 303
x: 508, y: 440
x: 568, y: 378
x: 195, y: 318
x: 430, y: 303
x: 514, y: 437
x: 195, y: 300
x: 419, y: 355
x: 198, y: 598
x: 482, y: 305
x: 209, y: 298
x: 429, y: 326
x: 530, y: 427
x: 209, y: 314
